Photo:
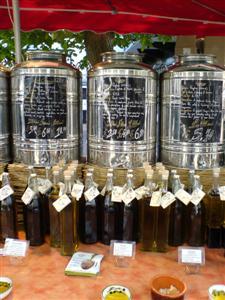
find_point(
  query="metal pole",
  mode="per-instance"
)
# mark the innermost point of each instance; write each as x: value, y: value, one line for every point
x: 16, y: 29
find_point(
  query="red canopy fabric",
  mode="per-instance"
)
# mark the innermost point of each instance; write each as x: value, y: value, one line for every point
x: 173, y: 17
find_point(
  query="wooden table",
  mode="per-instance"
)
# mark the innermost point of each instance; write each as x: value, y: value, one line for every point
x: 40, y: 276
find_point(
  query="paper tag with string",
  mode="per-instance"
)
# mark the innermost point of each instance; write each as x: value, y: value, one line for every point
x: 5, y: 192
x: 222, y: 193
x: 128, y: 196
x: 117, y: 194
x: 197, y: 196
x: 28, y: 196
x: 140, y: 192
x: 91, y: 193
x: 183, y: 196
x: 61, y: 202
x: 167, y: 199
x: 77, y: 190
x: 156, y: 199
x: 45, y: 187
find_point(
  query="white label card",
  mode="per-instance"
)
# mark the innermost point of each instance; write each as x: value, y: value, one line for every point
x: 14, y: 247
x: 117, y: 194
x: 167, y: 199
x: 140, y: 192
x: 77, y: 190
x: 45, y: 187
x: 103, y: 191
x: 196, y: 196
x: 128, y: 196
x: 5, y: 192
x: 28, y: 196
x: 156, y: 199
x: 222, y: 193
x: 183, y: 196
x: 91, y: 193
x: 61, y: 203
x: 191, y: 255
x: 123, y: 249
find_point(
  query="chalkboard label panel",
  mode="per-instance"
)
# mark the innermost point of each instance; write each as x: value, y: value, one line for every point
x: 123, y: 108
x: 45, y: 107
x: 201, y: 111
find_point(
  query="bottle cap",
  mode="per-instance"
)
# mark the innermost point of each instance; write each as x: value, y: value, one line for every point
x: 165, y: 176
x: 90, y: 170
x: 33, y: 175
x: 196, y: 176
x: 149, y: 171
x: 176, y: 176
x: 130, y: 175
x: 55, y: 172
x: 89, y: 174
x: 149, y: 175
x: 148, y: 168
x: 110, y: 170
x: 191, y: 171
x: 48, y: 167
x: 130, y: 171
x: 109, y: 174
x: 67, y: 173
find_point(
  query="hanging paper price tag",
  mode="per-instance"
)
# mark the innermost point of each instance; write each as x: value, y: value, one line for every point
x: 140, y: 192
x: 91, y: 193
x: 77, y: 190
x: 222, y: 193
x: 128, y: 196
x: 28, y: 196
x: 156, y: 199
x: 103, y: 191
x: 167, y: 199
x: 183, y: 196
x: 196, y: 196
x: 61, y: 203
x: 5, y: 192
x: 45, y: 187
x: 117, y: 194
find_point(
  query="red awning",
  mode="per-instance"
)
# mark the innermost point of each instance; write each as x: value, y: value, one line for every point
x: 173, y: 17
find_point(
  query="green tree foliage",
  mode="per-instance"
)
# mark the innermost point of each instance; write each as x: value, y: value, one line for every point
x: 66, y: 41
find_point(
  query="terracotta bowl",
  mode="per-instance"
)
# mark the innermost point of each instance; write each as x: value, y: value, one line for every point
x: 165, y: 281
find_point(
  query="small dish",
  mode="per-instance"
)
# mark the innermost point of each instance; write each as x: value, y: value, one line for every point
x: 216, y: 287
x: 115, y: 291
x: 9, y: 289
x: 166, y: 282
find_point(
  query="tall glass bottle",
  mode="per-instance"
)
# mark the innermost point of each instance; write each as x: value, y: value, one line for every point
x: 88, y: 215
x: 68, y: 222
x: 33, y: 215
x: 53, y: 214
x: 172, y: 173
x: 45, y: 205
x: 130, y: 215
x: 177, y: 217
x: 8, y: 221
x: 109, y: 213
x: 215, y: 214
x: 146, y: 218
x: 196, y: 218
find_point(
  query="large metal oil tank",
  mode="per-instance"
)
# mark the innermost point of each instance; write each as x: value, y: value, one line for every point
x: 4, y: 114
x: 121, y: 111
x: 45, y: 107
x: 193, y: 113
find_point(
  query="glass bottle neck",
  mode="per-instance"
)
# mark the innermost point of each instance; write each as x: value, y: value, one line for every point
x: 47, y: 173
x: 129, y: 183
x: 176, y: 185
x: 164, y: 187
x: 215, y: 182
x: 68, y: 185
x: 109, y: 184
x: 88, y: 182
x: 34, y: 184
x: 55, y: 179
x: 5, y: 179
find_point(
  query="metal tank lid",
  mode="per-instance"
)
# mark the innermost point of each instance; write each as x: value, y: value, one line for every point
x: 45, y: 55
x: 127, y: 56
x: 197, y: 58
